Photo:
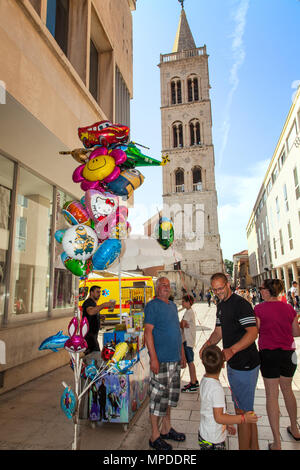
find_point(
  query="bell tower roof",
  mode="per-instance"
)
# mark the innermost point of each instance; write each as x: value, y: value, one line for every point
x: 184, y: 40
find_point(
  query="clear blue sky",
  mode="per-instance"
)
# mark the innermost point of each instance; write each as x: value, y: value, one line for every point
x: 254, y: 63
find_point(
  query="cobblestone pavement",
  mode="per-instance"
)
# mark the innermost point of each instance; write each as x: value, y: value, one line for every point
x: 31, y: 418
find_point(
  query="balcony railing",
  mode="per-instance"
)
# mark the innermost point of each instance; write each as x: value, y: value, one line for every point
x: 183, y: 54
x: 180, y: 188
x: 197, y: 187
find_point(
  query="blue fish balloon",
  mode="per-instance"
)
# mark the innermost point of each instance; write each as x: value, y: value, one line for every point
x: 54, y: 342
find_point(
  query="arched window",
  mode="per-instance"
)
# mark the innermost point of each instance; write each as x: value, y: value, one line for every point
x: 197, y: 179
x: 177, y: 134
x: 195, y: 137
x: 179, y: 180
x: 193, y: 89
x: 176, y: 93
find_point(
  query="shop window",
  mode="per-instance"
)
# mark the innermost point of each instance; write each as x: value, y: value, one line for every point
x: 6, y: 186
x: 31, y: 268
x: 64, y: 287
x: 58, y: 22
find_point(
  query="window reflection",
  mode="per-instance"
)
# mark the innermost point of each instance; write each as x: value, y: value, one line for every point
x: 64, y: 281
x: 6, y: 185
x: 31, y: 274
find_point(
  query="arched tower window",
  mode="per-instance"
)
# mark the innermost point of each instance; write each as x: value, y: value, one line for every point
x: 176, y: 92
x: 177, y: 134
x: 197, y: 179
x: 179, y: 180
x: 195, y: 137
x: 193, y: 89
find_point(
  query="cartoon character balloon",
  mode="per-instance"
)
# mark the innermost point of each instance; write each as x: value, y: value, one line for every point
x: 164, y: 232
x: 76, y: 343
x: 100, y: 205
x: 103, y: 133
x: 79, y: 242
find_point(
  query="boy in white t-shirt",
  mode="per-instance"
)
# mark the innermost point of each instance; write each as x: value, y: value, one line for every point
x: 188, y: 329
x: 213, y: 418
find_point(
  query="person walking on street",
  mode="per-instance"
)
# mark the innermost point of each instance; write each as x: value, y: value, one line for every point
x: 293, y: 295
x: 91, y: 311
x: 208, y: 297
x: 188, y: 328
x: 164, y: 342
x: 277, y: 324
x: 236, y: 327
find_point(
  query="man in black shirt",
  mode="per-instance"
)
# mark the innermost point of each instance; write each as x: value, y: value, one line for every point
x: 236, y: 326
x: 91, y: 310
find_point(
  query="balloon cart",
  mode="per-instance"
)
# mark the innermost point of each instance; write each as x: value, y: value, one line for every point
x: 112, y: 385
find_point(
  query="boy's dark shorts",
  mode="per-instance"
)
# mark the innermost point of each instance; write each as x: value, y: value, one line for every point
x: 189, y: 353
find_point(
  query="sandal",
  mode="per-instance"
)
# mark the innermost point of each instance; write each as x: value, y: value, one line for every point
x: 291, y: 434
x: 159, y: 444
x: 174, y: 435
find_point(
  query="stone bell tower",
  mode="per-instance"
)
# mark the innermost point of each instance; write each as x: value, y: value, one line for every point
x: 189, y: 191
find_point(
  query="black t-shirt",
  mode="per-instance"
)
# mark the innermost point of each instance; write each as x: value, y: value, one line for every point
x: 94, y: 320
x: 234, y: 316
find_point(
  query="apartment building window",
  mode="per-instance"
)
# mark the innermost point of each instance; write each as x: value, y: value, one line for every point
x: 195, y: 138
x: 277, y: 207
x: 296, y: 181
x: 58, y: 22
x: 275, y: 248
x: 122, y: 100
x: 269, y: 186
x: 262, y: 231
x: 193, y: 89
x: 281, y: 160
x: 94, y: 70
x: 290, y: 235
x: 176, y: 92
x: 281, y: 242
x: 286, y: 202
x: 259, y: 236
x: 179, y: 180
x: 291, y: 137
x: 177, y: 135
x: 275, y: 173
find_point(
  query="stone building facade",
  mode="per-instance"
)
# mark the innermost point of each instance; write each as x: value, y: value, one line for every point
x: 64, y: 64
x: 189, y: 191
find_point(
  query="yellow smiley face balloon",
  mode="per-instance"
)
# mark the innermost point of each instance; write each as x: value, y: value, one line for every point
x: 99, y: 167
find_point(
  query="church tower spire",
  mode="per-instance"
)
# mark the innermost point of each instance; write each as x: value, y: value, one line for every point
x: 189, y: 190
x: 184, y: 40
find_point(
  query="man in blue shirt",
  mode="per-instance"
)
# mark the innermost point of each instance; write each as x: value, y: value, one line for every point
x: 164, y: 342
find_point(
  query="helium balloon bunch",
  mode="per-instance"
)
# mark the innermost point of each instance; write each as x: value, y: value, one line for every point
x: 98, y: 221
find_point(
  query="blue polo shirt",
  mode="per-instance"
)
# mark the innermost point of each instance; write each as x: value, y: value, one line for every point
x: 166, y: 332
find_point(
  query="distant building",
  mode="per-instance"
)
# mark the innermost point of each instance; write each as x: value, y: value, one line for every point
x: 274, y: 225
x: 64, y: 64
x: 241, y: 276
x: 189, y: 191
